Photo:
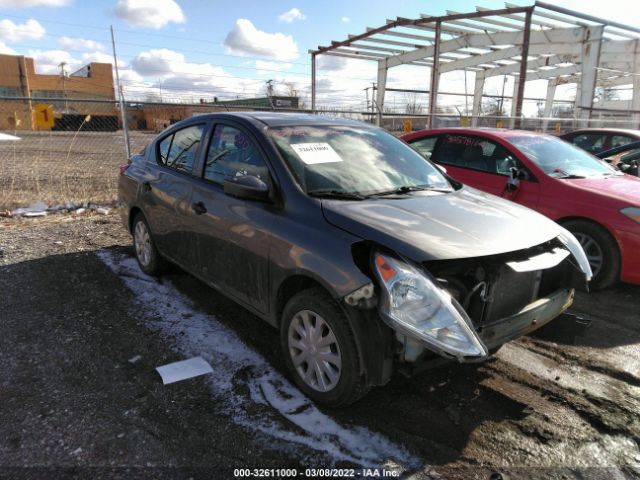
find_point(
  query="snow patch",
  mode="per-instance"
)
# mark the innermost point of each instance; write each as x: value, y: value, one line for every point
x: 286, y: 414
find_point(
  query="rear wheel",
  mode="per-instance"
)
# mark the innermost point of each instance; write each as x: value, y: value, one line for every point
x: 146, y: 252
x: 601, y: 250
x: 320, y: 349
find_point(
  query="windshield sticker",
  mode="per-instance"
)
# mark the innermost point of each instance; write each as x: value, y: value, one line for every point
x: 315, y: 153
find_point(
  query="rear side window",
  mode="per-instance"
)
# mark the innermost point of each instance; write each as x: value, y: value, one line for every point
x: 591, y: 142
x: 179, y: 150
x: 233, y: 154
x: 619, y: 140
x: 425, y: 146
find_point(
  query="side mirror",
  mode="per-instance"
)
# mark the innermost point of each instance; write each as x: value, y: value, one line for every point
x: 514, y: 179
x: 247, y: 187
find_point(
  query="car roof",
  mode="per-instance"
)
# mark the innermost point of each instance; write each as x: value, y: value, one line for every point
x: 628, y: 131
x: 279, y: 119
x: 495, y: 132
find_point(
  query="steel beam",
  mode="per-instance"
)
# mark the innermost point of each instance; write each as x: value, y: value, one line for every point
x: 635, y: 99
x: 477, y: 98
x: 313, y: 81
x: 523, y: 66
x: 591, y: 44
x: 435, y: 75
x: 590, y: 18
x: 548, y: 103
x: 569, y: 37
x: 382, y: 85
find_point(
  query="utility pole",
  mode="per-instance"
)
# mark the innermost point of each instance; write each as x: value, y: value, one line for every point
x: 63, y: 75
x: 123, y: 113
x: 373, y: 98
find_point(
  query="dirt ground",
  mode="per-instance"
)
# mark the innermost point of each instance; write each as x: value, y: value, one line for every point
x: 82, y: 331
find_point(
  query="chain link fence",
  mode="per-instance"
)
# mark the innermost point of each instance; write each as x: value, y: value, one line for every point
x: 69, y: 151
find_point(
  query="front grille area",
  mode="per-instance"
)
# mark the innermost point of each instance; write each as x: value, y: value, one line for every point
x: 489, y: 290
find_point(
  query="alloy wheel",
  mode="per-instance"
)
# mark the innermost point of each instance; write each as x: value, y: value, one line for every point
x: 593, y: 251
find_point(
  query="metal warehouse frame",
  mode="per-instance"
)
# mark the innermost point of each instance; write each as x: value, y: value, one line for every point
x: 560, y: 45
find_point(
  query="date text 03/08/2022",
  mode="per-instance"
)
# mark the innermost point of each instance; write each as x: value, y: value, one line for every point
x: 315, y: 473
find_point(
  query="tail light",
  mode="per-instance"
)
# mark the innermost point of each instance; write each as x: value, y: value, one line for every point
x: 123, y: 168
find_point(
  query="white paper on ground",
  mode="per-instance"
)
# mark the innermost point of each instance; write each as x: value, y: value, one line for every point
x: 314, y: 153
x: 174, y: 372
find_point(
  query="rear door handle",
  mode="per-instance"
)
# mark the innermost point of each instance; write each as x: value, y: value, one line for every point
x: 199, y: 208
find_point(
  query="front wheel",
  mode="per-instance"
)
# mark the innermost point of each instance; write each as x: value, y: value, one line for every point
x: 601, y: 250
x: 320, y: 349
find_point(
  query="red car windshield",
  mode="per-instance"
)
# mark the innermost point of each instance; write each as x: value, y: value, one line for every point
x: 560, y: 159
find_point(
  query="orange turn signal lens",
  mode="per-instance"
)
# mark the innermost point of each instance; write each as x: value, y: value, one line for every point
x: 386, y: 271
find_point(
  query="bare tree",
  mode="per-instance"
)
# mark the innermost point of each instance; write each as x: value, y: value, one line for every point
x: 411, y: 105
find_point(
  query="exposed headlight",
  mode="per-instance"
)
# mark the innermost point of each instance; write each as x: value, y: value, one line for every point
x: 414, y: 305
x: 632, y: 212
x: 572, y: 243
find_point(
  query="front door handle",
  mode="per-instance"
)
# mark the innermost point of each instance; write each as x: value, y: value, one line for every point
x: 199, y: 208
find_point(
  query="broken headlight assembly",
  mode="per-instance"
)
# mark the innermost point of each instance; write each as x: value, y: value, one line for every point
x: 572, y: 243
x: 414, y: 305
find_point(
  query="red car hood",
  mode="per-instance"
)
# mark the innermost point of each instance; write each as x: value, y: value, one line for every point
x: 624, y: 187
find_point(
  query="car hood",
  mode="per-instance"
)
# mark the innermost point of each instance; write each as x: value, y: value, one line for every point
x: 622, y: 187
x: 439, y: 226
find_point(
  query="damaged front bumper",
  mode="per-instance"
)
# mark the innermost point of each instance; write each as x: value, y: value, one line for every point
x: 530, y: 318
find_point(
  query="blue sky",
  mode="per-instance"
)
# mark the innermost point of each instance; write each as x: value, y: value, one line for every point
x: 194, y: 48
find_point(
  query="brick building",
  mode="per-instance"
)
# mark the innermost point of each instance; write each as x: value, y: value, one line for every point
x: 64, y: 93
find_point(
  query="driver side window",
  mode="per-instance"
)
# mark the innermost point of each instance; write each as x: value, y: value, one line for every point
x: 476, y: 153
x: 233, y: 154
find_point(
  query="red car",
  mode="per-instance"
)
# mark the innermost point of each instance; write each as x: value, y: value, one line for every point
x: 596, y: 140
x: 598, y: 204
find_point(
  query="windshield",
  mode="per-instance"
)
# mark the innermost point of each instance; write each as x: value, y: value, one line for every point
x: 560, y: 159
x: 354, y: 160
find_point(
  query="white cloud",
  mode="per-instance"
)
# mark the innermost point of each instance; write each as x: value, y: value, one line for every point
x: 246, y: 39
x: 12, y: 32
x: 100, y: 57
x: 345, y: 19
x: 48, y: 61
x: 149, y: 13
x: 80, y: 43
x: 265, y: 68
x: 33, y: 3
x: 292, y: 15
x: 157, y: 62
x: 6, y: 50
x: 180, y: 79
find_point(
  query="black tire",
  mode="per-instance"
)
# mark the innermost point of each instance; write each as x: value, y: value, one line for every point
x: 155, y: 264
x: 609, y: 272
x: 351, y: 385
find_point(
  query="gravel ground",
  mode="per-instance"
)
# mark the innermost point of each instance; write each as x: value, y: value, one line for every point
x: 562, y: 403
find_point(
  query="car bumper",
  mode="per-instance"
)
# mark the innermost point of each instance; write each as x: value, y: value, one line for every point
x: 530, y: 318
x: 630, y: 249
x: 494, y: 335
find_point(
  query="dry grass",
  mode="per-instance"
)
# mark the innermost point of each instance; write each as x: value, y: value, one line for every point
x: 56, y: 168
